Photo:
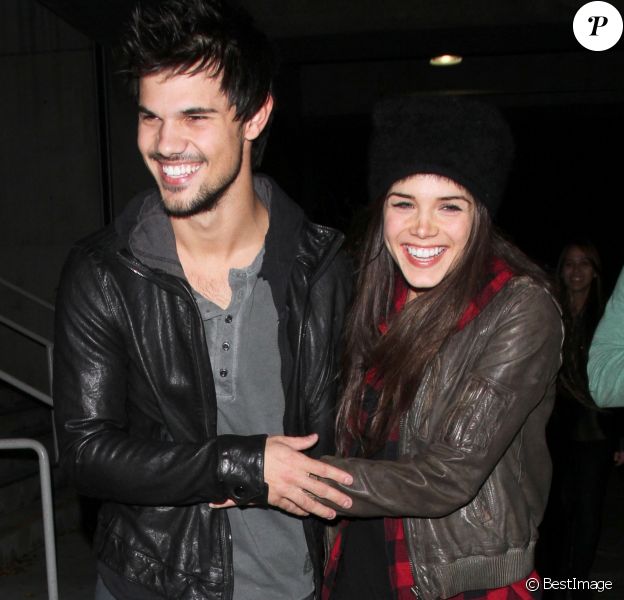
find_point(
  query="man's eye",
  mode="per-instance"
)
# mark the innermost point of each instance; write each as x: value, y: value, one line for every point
x: 148, y: 118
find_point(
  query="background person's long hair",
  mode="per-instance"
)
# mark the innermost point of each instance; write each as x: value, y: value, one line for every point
x: 572, y: 381
x: 401, y: 356
x: 594, y: 305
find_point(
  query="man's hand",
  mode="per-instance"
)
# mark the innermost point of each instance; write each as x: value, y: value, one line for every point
x: 292, y: 478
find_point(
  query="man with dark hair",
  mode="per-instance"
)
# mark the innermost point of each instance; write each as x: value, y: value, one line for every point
x: 196, y: 338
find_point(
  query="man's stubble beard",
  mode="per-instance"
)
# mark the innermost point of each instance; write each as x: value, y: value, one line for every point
x: 207, y: 198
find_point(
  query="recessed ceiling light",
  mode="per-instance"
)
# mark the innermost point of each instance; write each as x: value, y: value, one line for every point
x: 445, y: 60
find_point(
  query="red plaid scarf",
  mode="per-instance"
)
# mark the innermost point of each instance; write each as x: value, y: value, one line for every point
x: 399, y: 570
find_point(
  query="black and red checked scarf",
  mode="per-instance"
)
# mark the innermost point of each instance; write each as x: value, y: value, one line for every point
x: 399, y: 570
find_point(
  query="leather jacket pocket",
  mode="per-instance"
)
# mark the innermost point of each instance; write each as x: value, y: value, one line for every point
x: 483, y: 507
x: 476, y: 416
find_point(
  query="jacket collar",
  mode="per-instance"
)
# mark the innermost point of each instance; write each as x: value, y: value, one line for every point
x: 500, y: 273
x: 282, y: 239
x: 145, y: 231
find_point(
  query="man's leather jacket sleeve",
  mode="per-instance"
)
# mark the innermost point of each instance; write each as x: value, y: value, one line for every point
x: 489, y: 407
x: 93, y: 379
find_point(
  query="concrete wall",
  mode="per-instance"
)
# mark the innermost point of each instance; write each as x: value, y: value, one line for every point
x: 49, y: 166
x: 129, y: 175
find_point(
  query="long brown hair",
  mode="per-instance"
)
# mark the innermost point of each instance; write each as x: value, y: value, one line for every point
x: 594, y: 305
x: 415, y: 335
x: 579, y: 329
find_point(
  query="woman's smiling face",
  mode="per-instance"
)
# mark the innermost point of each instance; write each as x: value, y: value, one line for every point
x: 577, y: 271
x: 427, y: 223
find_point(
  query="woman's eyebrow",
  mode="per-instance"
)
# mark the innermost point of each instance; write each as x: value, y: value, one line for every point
x: 401, y: 195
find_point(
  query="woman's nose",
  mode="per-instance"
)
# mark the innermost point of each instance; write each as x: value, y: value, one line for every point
x: 423, y: 225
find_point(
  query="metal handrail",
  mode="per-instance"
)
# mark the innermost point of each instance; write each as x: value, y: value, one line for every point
x: 38, y: 447
x: 25, y: 387
x: 35, y: 337
x: 49, y: 346
x: 26, y: 294
x: 46, y: 504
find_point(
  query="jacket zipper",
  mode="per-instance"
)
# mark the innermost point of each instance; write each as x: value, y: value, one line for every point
x: 410, y: 553
x: 402, y: 450
x: 226, y: 543
x: 182, y: 288
x: 330, y: 254
x: 225, y: 535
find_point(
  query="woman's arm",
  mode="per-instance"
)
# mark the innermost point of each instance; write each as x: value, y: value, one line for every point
x: 510, y: 378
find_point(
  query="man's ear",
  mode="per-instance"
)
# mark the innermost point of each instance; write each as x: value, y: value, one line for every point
x: 253, y: 128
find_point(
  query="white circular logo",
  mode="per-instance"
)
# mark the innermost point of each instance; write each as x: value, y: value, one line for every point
x: 597, y: 26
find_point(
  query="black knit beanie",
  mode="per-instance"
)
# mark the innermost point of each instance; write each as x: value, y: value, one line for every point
x: 463, y: 139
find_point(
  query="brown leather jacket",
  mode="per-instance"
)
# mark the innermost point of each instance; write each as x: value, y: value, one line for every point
x: 474, y: 471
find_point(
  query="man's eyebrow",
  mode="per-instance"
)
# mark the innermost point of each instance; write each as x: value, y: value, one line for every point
x: 145, y: 111
x: 193, y: 110
x: 198, y: 110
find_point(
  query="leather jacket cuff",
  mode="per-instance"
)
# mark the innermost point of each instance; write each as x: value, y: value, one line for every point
x: 241, y: 468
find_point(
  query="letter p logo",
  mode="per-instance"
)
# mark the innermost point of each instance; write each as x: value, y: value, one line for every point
x: 597, y: 26
x: 598, y: 22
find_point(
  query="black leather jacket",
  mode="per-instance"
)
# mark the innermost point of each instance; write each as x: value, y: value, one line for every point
x: 473, y: 473
x: 135, y: 405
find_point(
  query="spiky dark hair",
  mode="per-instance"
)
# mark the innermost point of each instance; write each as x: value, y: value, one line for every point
x: 191, y: 36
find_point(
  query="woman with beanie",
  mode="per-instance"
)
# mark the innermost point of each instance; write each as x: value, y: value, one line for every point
x: 452, y: 350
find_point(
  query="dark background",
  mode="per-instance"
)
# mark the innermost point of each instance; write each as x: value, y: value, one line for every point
x: 69, y: 163
x: 565, y: 105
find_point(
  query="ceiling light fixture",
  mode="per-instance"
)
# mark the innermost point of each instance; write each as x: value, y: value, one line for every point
x: 445, y: 60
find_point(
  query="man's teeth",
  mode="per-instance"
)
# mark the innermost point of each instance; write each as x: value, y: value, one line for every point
x: 179, y: 170
x: 424, y: 252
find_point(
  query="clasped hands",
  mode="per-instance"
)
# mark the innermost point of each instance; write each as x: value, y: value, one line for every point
x: 293, y: 478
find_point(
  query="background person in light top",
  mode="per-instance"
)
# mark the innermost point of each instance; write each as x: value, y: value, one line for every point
x: 579, y: 432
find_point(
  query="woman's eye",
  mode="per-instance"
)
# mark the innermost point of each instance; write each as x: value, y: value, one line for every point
x: 402, y: 204
x: 451, y: 207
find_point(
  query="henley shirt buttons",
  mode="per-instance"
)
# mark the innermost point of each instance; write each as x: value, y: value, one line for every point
x: 223, y: 372
x: 228, y: 319
x: 226, y: 346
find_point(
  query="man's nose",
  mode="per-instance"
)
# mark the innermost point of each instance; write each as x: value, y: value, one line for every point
x: 170, y: 140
